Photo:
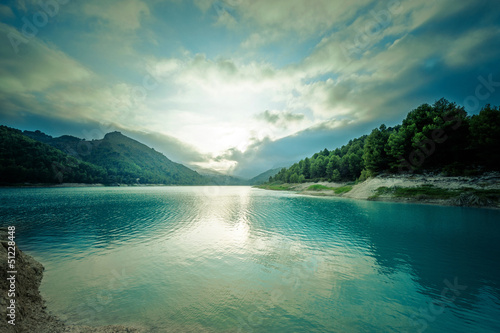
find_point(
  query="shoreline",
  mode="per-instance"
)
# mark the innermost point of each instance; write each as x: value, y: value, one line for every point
x: 64, y: 185
x: 457, y: 191
x: 479, y: 191
x: 31, y: 314
x: 40, y: 185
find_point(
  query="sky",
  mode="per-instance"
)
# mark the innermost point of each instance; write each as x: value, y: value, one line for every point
x: 241, y: 86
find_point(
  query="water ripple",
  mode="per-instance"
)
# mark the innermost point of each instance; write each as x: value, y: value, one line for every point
x: 223, y: 259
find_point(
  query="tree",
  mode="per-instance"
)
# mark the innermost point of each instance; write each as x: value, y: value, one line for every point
x: 294, y: 178
x: 344, y: 167
x: 355, y: 165
x: 335, y: 176
x: 322, y: 164
x: 397, y: 146
x: 318, y: 167
x: 485, y: 136
x: 306, y: 170
x: 333, y: 164
x: 485, y: 128
x: 374, y: 154
x: 442, y: 126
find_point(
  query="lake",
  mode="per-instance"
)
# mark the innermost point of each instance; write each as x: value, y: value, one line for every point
x: 238, y: 259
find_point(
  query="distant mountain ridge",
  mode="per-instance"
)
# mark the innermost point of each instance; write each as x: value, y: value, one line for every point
x: 264, y: 176
x: 218, y: 178
x: 125, y: 160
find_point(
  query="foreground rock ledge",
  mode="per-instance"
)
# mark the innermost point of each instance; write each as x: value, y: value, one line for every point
x: 31, y: 314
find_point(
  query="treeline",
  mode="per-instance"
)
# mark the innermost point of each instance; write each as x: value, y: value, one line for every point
x: 23, y: 159
x: 441, y: 137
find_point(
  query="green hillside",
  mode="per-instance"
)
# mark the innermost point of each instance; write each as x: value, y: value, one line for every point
x: 24, y: 160
x: 129, y: 161
x: 125, y: 160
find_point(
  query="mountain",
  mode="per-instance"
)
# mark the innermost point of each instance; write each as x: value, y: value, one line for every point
x: 130, y: 161
x: 125, y: 160
x: 263, y: 177
x: 23, y: 159
x: 217, y: 178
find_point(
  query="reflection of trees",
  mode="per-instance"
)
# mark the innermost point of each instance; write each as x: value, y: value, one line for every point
x: 435, y: 243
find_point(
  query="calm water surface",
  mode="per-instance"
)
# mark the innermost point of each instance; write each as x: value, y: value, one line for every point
x: 237, y: 259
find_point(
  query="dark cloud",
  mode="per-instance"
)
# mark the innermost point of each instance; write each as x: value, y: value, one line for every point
x: 476, y: 14
x: 280, y: 118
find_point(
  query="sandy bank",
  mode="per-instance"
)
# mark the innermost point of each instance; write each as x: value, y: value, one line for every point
x: 30, y: 312
x: 367, y: 190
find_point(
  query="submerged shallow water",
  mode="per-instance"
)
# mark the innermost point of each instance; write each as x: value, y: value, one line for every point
x: 229, y: 259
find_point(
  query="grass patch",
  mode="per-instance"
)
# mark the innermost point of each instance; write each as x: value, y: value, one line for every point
x: 318, y: 187
x: 279, y: 187
x: 342, y: 189
x: 425, y: 192
x: 336, y: 190
x: 276, y: 187
x: 420, y: 192
x: 383, y: 190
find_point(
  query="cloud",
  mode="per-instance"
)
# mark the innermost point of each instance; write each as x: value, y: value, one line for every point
x: 271, y: 21
x: 6, y: 11
x: 226, y: 20
x: 118, y: 14
x: 41, y: 79
x: 171, y: 147
x: 464, y: 51
x: 213, y: 103
x: 266, y: 154
x: 297, y: 17
x: 204, y: 5
x: 372, y: 69
x: 280, y: 118
x: 36, y: 66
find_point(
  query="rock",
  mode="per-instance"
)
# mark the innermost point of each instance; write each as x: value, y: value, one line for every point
x: 471, y: 200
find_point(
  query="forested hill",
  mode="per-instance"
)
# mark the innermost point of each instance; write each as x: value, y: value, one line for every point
x: 23, y: 159
x: 114, y: 159
x: 440, y: 138
x: 126, y: 160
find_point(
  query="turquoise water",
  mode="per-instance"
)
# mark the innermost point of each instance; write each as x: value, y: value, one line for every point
x: 237, y: 259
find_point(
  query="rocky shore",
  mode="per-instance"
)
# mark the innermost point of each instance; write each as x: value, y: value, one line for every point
x: 477, y: 191
x: 31, y: 314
